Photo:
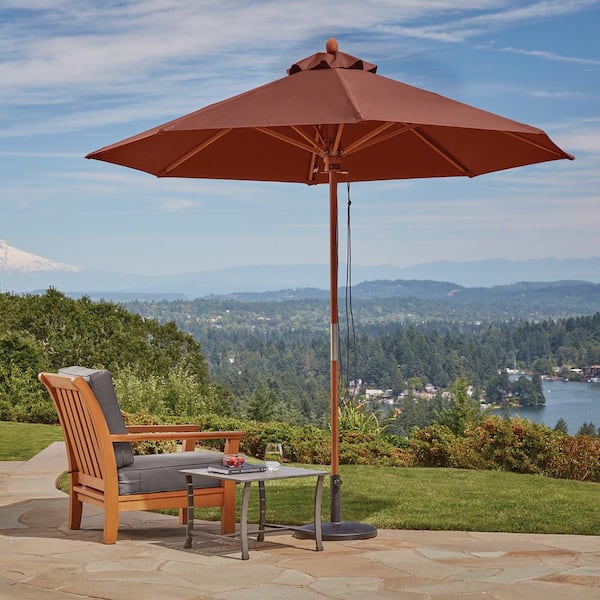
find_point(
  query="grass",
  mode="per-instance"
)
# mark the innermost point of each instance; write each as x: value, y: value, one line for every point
x: 396, y: 498
x: 447, y: 499
x: 21, y: 441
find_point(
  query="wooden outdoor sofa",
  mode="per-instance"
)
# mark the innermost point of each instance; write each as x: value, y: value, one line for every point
x: 103, y: 470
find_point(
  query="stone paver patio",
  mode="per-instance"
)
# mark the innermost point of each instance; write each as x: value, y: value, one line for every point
x: 40, y: 558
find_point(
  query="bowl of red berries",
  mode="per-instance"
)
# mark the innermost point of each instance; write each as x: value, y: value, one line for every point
x: 233, y: 460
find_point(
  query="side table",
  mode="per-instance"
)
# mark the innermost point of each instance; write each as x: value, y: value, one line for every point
x: 247, y: 479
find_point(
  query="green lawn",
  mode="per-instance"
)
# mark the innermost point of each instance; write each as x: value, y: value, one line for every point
x: 21, y: 441
x: 449, y: 499
x: 396, y: 498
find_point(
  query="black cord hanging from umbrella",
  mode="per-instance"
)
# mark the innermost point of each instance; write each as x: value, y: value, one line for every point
x: 350, y: 373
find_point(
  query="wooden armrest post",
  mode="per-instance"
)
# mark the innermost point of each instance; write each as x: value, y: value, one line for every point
x: 232, y: 445
x: 189, y: 445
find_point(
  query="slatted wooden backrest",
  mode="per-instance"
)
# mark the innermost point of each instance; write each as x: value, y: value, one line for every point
x: 89, y: 450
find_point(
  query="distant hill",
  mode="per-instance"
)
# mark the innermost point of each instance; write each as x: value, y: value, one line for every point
x: 449, y: 300
x: 382, y: 303
x: 21, y: 271
x: 502, y: 271
x: 382, y: 288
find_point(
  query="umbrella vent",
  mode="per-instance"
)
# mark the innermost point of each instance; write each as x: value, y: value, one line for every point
x: 332, y: 59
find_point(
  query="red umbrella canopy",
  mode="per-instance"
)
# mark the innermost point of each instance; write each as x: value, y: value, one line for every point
x: 333, y: 107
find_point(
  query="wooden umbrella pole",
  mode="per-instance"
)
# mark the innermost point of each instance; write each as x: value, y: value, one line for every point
x: 334, y: 330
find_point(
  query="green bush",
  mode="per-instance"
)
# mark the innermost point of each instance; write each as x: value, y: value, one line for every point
x: 310, y: 445
x: 23, y: 398
x: 353, y: 417
x: 516, y: 445
x: 149, y: 447
x: 179, y: 393
x: 434, y: 446
x: 305, y: 444
x: 513, y: 445
x: 578, y: 458
x: 7, y: 412
x: 359, y: 448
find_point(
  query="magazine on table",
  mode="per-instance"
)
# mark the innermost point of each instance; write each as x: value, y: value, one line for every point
x: 234, y: 470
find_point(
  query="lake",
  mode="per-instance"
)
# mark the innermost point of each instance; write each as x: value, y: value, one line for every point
x: 575, y: 402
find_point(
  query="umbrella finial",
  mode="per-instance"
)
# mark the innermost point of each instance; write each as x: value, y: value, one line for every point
x: 331, y: 46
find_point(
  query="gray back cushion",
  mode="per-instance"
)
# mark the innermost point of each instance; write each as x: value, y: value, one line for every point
x: 102, y: 385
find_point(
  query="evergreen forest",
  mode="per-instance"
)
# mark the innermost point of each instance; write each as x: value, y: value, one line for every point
x: 269, y: 360
x: 274, y: 354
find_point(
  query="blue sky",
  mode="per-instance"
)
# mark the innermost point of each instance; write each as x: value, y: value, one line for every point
x: 78, y: 75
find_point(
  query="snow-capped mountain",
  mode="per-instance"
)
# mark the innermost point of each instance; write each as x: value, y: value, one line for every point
x: 14, y: 260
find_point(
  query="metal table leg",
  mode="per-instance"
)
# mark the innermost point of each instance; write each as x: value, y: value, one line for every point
x: 244, y: 520
x: 263, y: 511
x: 190, y: 511
x: 317, y: 516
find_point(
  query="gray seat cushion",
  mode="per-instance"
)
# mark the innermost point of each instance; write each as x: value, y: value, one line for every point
x: 102, y: 385
x: 160, y: 472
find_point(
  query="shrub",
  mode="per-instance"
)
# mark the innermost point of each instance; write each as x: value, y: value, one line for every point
x: 7, y: 412
x: 514, y: 444
x: 23, y: 398
x: 360, y: 448
x: 351, y: 417
x: 149, y: 447
x: 578, y: 458
x: 433, y: 446
x: 180, y: 393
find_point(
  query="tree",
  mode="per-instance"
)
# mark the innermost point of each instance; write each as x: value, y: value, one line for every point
x: 48, y: 331
x: 414, y: 412
x: 561, y: 426
x: 462, y: 409
x: 498, y: 388
x: 262, y: 405
x: 528, y: 392
x: 587, y: 429
x: 415, y: 383
x: 543, y: 366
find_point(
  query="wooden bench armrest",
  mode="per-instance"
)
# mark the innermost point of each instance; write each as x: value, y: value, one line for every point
x: 188, y: 438
x: 159, y: 428
x: 175, y: 435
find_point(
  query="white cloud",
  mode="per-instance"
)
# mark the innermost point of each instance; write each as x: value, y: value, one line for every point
x: 584, y: 140
x: 553, y: 56
x: 462, y: 29
x: 33, y: 154
x: 556, y: 94
x: 94, y: 45
x: 176, y: 204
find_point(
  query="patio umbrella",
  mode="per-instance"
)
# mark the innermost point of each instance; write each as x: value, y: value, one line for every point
x: 333, y: 117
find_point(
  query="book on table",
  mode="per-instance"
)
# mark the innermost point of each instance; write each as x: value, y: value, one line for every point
x: 245, y: 468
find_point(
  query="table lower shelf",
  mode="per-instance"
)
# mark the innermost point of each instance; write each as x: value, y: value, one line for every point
x: 257, y: 535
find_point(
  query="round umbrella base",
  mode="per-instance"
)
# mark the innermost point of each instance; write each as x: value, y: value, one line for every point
x: 331, y: 532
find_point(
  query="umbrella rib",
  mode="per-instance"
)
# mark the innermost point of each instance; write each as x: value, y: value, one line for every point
x: 319, y: 135
x: 195, y: 151
x: 286, y: 139
x: 443, y: 153
x: 338, y: 137
x: 358, y: 143
x: 532, y: 143
x: 304, y: 136
x: 381, y: 138
x: 313, y: 158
